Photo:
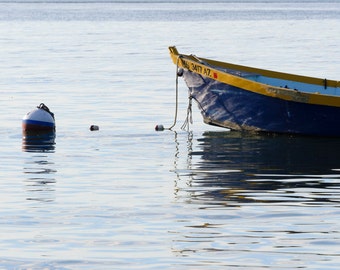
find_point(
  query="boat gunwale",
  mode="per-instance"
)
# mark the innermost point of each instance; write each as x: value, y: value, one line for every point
x: 210, y: 68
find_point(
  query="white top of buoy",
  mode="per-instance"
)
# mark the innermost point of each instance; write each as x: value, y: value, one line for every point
x: 39, y: 115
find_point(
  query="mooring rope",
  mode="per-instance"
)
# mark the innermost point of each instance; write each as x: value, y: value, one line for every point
x: 176, y: 108
x: 45, y: 108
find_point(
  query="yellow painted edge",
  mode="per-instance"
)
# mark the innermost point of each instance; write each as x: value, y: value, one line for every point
x: 192, y: 64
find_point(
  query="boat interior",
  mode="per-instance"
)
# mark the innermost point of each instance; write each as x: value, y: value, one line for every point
x: 279, y: 79
x: 285, y: 83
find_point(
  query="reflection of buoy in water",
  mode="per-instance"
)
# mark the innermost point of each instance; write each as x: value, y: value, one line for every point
x: 38, y: 141
x: 40, y: 119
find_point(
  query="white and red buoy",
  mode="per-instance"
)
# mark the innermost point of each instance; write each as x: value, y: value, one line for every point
x: 40, y: 119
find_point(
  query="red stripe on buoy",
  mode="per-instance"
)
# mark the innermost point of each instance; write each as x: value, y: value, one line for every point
x: 36, y: 127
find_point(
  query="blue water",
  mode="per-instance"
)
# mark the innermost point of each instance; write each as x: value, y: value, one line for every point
x: 127, y: 197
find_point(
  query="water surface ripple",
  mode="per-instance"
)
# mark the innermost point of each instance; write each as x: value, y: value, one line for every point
x: 274, y: 198
x: 127, y: 197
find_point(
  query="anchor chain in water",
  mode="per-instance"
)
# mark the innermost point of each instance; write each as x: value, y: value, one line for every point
x: 188, y: 119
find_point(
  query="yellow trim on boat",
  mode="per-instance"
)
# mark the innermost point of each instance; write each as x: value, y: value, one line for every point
x: 205, y: 68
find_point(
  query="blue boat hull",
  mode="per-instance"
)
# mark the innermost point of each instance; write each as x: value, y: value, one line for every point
x: 235, y: 108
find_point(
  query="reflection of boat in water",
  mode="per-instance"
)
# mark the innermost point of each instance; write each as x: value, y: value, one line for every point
x: 38, y: 141
x: 270, y: 154
x: 228, y: 165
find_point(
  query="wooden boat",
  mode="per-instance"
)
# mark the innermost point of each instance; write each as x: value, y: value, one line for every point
x: 252, y: 99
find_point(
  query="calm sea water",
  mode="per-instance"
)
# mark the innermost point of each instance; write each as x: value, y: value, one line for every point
x: 129, y: 197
